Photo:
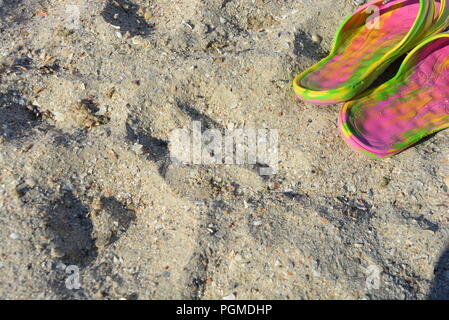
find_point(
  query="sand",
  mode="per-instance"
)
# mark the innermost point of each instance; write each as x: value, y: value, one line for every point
x: 93, y: 206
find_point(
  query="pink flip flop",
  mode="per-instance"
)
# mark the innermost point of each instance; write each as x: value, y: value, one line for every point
x: 365, y: 45
x: 402, y: 111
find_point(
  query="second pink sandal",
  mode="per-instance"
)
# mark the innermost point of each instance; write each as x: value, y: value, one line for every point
x: 402, y: 111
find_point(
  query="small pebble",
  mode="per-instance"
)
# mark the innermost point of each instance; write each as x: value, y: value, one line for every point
x: 97, y: 204
x: 14, y: 236
x: 384, y: 182
x: 316, y: 38
x: 30, y: 182
x: 148, y: 15
x: 55, y: 253
x: 229, y: 297
x: 446, y: 181
x: 61, y: 266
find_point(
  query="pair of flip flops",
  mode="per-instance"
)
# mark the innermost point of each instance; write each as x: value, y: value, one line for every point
x: 415, y: 103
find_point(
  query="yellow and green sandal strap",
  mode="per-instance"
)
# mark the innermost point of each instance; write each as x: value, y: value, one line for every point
x: 441, y: 21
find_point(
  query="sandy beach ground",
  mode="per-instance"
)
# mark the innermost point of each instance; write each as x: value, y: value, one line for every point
x: 92, y: 205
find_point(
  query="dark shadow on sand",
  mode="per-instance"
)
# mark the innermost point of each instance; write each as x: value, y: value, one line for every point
x: 124, y: 14
x: 440, y: 286
x: 17, y: 117
x: 12, y: 14
x: 305, y: 46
